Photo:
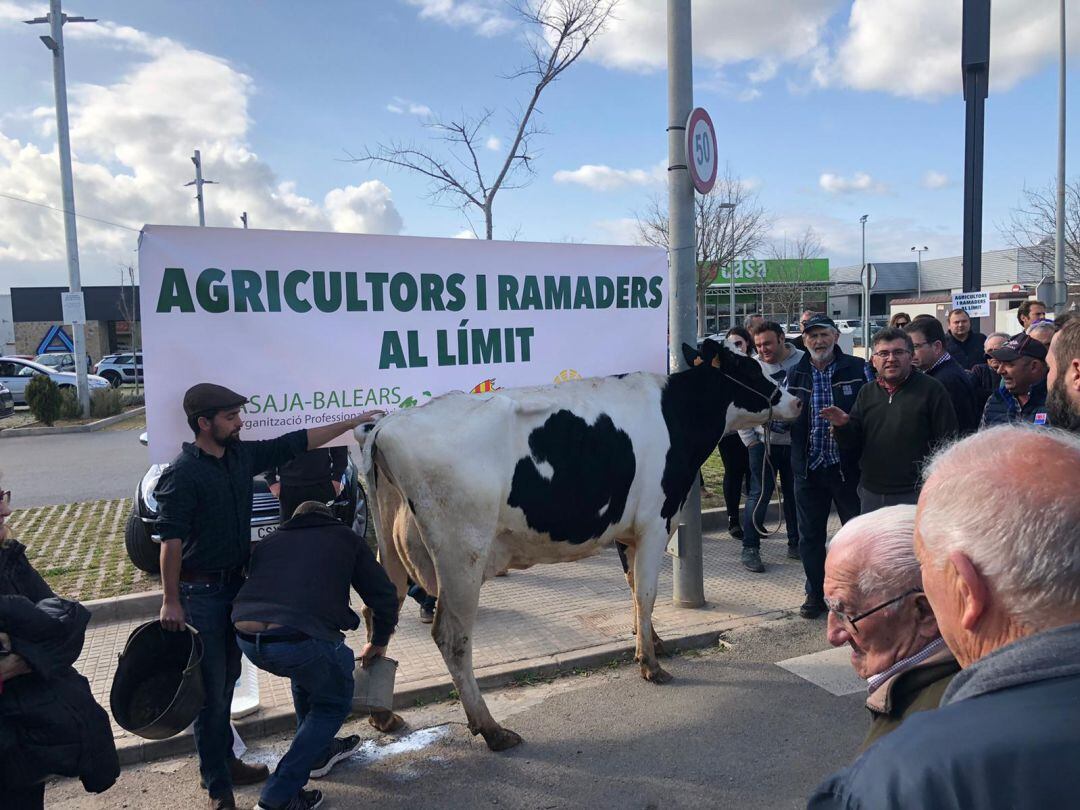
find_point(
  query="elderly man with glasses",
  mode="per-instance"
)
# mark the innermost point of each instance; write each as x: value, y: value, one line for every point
x: 873, y: 589
x: 895, y: 424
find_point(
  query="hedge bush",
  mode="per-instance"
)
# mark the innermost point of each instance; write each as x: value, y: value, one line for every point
x: 106, y: 402
x: 43, y: 397
x: 69, y: 404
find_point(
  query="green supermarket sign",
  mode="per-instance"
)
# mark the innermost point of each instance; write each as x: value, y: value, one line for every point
x: 774, y: 271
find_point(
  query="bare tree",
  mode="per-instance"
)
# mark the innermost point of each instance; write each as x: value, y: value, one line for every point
x: 1033, y: 223
x: 791, y: 277
x: 126, y: 305
x: 724, y: 233
x: 557, y: 32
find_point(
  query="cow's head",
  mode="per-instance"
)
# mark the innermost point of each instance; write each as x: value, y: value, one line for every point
x: 755, y: 399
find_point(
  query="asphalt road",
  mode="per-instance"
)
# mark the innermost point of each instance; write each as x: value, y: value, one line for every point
x: 733, y: 730
x: 67, y: 468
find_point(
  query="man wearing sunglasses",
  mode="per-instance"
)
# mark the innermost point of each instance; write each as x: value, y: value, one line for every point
x: 873, y: 589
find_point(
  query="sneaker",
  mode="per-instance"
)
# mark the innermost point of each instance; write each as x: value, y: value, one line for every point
x: 751, y: 560
x: 304, y: 800
x: 340, y: 748
x: 734, y: 529
x: 427, y: 615
x: 793, y: 551
x: 813, y: 607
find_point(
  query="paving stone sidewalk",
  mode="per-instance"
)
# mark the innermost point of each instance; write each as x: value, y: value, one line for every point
x: 547, y: 610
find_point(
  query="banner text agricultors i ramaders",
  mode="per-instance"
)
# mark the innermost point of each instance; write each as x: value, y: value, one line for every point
x: 316, y: 327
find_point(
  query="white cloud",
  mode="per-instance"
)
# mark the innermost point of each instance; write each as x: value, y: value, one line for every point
x: 767, y: 31
x: 465, y: 233
x: 623, y: 231
x: 605, y: 178
x: 493, y: 143
x: 400, y: 106
x: 860, y: 182
x: 484, y: 17
x: 132, y: 141
x: 935, y: 180
x: 913, y: 48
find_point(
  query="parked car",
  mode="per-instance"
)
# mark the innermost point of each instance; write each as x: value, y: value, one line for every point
x: 60, y: 361
x: 142, y: 542
x: 120, y: 368
x: 7, y: 402
x: 15, y: 373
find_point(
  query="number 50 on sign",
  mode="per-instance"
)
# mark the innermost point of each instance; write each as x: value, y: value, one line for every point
x: 701, y: 150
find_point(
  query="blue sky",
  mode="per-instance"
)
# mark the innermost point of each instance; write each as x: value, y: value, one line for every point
x: 828, y: 109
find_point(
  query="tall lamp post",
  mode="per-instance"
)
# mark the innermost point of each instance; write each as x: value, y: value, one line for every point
x: 865, y: 290
x: 1060, y: 290
x: 918, y: 273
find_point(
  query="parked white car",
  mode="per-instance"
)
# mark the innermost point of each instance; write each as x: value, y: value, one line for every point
x: 847, y: 327
x: 15, y: 373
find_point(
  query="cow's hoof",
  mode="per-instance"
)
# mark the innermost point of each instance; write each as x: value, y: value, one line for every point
x: 658, y: 675
x: 386, y: 721
x: 501, y: 739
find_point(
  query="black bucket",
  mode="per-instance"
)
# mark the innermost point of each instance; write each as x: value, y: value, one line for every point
x: 158, y: 687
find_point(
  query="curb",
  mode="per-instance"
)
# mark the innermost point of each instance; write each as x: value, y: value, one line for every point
x: 14, y: 433
x: 281, y: 719
x: 146, y: 605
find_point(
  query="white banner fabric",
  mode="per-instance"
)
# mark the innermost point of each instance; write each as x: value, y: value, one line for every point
x: 316, y: 327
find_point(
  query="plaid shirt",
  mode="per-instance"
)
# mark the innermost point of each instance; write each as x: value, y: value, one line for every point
x: 824, y: 452
x: 205, y: 502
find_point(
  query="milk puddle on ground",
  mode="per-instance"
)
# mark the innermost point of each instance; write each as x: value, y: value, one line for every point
x: 370, y: 752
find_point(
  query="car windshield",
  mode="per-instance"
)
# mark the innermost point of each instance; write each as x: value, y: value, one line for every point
x: 49, y: 360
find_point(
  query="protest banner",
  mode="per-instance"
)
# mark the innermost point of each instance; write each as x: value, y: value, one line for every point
x: 316, y: 327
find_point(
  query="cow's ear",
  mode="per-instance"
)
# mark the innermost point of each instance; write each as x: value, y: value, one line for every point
x: 710, y: 352
x: 692, y: 355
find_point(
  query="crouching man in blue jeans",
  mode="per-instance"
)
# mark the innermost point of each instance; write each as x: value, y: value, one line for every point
x: 289, y: 617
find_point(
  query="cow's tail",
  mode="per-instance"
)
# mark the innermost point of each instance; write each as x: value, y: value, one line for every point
x: 367, y: 437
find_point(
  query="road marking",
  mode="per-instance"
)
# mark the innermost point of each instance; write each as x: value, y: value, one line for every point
x: 829, y: 669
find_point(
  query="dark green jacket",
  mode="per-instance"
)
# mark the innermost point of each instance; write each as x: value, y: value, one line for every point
x: 915, y: 690
x: 896, y: 433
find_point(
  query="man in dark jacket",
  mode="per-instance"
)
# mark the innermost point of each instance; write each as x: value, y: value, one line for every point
x: 824, y: 473
x: 965, y: 346
x: 313, y: 476
x: 1022, y: 395
x: 873, y: 587
x: 289, y: 617
x: 50, y: 723
x: 897, y: 421
x: 1003, y: 589
x: 204, y: 521
x: 930, y: 357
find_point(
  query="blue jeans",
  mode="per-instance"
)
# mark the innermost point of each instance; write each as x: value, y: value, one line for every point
x: 815, y: 493
x: 207, y: 608
x: 321, y: 673
x: 762, y: 490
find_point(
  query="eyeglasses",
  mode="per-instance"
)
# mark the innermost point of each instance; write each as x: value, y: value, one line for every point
x: 850, y: 621
x: 897, y: 353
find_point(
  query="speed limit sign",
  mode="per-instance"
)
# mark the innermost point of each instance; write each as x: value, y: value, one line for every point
x: 701, y: 150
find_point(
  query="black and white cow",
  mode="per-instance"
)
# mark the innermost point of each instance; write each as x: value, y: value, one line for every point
x: 564, y: 471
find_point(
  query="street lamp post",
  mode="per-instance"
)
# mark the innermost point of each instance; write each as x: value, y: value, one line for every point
x: 54, y: 41
x: 918, y: 273
x: 865, y: 290
x: 1060, y: 290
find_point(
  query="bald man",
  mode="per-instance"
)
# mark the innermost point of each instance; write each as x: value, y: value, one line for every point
x: 1005, y: 589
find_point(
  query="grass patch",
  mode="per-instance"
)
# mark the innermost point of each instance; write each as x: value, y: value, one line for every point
x: 78, y: 548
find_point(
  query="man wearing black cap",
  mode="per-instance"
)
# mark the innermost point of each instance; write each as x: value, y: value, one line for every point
x: 204, y: 500
x: 1022, y: 397
x: 824, y: 473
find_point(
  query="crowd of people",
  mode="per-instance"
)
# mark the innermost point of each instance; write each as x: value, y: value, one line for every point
x: 955, y: 578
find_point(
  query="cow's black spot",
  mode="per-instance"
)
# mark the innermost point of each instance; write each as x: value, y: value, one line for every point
x: 620, y: 376
x: 593, y: 468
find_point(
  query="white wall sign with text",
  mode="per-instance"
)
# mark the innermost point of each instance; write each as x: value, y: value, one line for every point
x: 73, y: 307
x: 315, y: 327
x: 976, y: 304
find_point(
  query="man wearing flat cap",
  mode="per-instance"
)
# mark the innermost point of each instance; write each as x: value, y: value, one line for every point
x: 204, y: 499
x: 1021, y: 397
